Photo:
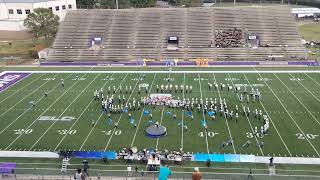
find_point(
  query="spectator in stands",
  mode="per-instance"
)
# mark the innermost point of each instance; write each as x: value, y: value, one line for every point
x: 196, y: 175
x: 164, y: 173
x: 229, y: 38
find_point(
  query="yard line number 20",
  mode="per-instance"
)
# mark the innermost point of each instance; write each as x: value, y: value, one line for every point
x: 306, y: 136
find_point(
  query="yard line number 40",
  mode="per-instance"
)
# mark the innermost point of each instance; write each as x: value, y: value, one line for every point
x: 210, y: 134
x: 108, y: 133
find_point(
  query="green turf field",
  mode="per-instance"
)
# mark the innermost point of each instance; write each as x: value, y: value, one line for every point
x: 289, y: 99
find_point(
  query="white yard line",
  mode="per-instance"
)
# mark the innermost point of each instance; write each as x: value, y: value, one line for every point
x: 21, y: 88
x: 63, y: 112
x: 182, y: 134
x: 135, y: 134
x: 275, y: 127
x: 160, y: 124
x: 161, y: 117
x: 176, y: 72
x: 312, y: 79
x: 290, y: 116
x: 114, y: 129
x: 203, y: 115
x: 26, y: 110
x: 234, y: 149
x: 25, y: 97
x: 40, y: 115
x: 299, y: 99
x: 100, y: 116
x: 81, y: 116
x: 247, y: 118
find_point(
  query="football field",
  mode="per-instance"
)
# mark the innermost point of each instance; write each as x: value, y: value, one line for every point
x: 70, y: 119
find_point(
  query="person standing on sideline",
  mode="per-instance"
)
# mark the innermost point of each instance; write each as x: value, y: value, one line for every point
x: 78, y: 175
x: 196, y: 175
x: 250, y: 174
x: 271, y: 161
x: 164, y: 173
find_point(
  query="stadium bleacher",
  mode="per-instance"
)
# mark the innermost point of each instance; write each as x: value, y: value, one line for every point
x: 132, y: 34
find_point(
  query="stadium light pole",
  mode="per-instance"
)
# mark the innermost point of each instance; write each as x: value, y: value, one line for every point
x: 117, y: 7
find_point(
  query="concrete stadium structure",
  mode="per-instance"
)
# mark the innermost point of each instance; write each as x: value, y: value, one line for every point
x: 132, y: 34
x: 13, y: 12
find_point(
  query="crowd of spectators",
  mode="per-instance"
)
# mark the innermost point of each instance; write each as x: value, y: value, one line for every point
x: 229, y: 38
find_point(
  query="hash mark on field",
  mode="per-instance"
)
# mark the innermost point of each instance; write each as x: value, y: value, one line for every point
x: 64, y: 111
x: 41, y: 115
x: 135, y: 134
x: 25, y: 111
x: 291, y: 116
x: 265, y: 110
x: 299, y: 99
x: 20, y: 89
x: 23, y: 98
x: 230, y: 136
x: 162, y: 117
x: 114, y: 129
x: 184, y: 83
x: 83, y: 143
x: 248, y: 120
x: 203, y: 116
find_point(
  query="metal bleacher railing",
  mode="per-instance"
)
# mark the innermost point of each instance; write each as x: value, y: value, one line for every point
x: 145, y: 175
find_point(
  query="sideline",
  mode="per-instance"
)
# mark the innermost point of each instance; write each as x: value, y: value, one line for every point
x: 166, y: 71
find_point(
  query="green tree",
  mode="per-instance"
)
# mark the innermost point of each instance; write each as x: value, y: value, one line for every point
x: 42, y: 22
x: 108, y: 3
x: 86, y: 3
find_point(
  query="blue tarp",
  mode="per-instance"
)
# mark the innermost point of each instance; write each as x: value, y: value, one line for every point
x: 94, y: 154
x: 223, y: 157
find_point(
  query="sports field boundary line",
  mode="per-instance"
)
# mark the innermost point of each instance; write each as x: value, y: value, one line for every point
x: 172, y: 71
x: 20, y: 89
x: 17, y: 82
